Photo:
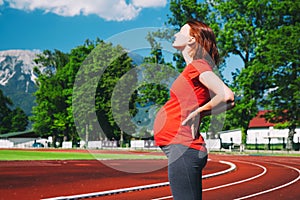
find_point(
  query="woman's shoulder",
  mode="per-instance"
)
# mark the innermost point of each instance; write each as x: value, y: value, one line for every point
x: 196, y: 67
x: 201, y: 65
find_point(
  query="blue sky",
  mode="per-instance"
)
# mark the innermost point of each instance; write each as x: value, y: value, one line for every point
x: 30, y: 24
x: 64, y: 24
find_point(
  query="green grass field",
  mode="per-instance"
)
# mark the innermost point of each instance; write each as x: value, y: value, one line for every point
x: 260, y: 153
x: 9, y: 155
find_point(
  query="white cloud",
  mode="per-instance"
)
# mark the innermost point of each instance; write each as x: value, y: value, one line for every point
x: 115, y: 10
x: 149, y: 3
x: 1, y: 2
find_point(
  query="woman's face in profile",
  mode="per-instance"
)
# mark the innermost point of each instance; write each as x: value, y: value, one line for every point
x: 182, y: 37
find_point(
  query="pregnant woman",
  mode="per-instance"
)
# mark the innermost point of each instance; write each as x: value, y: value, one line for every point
x: 197, y: 92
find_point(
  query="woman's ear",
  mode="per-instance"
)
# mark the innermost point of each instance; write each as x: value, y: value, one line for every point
x: 192, y: 40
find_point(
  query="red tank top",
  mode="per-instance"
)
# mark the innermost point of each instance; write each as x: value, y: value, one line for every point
x: 186, y: 94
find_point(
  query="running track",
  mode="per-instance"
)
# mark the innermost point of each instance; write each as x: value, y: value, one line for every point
x: 254, y: 177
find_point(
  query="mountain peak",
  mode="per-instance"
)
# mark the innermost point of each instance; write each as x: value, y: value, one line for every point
x: 17, y: 79
x: 16, y: 60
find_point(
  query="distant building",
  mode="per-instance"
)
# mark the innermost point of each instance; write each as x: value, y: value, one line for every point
x: 24, y: 139
x: 260, y: 132
x: 259, y: 121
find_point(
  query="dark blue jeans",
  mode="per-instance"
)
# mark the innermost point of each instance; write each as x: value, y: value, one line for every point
x: 185, y: 171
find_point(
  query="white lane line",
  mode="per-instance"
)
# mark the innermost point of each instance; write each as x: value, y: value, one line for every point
x: 229, y: 184
x: 162, y: 198
x: 252, y: 195
x: 110, y: 192
x: 137, y: 188
x: 276, y: 188
x: 232, y: 167
x: 241, y: 181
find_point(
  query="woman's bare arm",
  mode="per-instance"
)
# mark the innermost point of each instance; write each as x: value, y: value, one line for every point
x: 222, y: 101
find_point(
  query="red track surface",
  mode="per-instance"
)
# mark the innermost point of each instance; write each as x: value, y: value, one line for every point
x: 45, y: 179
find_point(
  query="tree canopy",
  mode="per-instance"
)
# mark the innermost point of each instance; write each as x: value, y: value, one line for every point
x: 11, y: 120
x: 75, y: 89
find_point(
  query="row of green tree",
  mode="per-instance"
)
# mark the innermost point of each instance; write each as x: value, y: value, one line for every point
x: 73, y: 100
x: 92, y: 92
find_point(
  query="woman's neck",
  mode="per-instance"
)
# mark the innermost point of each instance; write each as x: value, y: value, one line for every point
x: 186, y: 55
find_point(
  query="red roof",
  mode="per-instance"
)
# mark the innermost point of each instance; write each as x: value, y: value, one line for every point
x: 259, y: 121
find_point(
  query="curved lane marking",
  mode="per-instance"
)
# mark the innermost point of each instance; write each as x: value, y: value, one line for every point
x: 231, y: 168
x: 229, y: 184
x: 162, y: 198
x: 276, y: 188
x: 245, y: 180
x: 241, y: 181
x: 137, y: 188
